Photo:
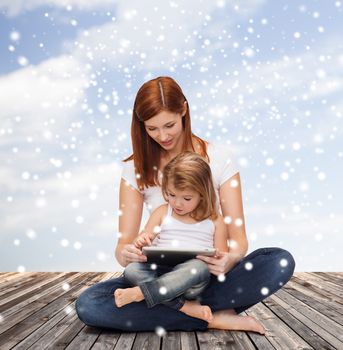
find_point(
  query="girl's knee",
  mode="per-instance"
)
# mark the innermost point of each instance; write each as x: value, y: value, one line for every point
x: 200, y: 267
x: 132, y: 271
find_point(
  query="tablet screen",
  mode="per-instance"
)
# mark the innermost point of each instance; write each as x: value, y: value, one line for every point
x: 174, y: 256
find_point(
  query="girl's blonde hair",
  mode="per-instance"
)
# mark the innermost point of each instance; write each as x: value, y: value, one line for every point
x: 190, y: 171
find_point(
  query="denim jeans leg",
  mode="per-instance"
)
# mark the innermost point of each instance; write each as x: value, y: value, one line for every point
x: 175, y: 283
x: 271, y: 268
x: 96, y: 308
x: 136, y: 273
x: 255, y: 277
x: 193, y: 292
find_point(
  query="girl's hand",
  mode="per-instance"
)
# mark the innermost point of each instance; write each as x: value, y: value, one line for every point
x: 220, y: 264
x: 130, y: 253
x: 144, y: 239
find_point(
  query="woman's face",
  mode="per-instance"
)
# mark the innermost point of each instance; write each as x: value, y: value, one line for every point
x: 166, y: 129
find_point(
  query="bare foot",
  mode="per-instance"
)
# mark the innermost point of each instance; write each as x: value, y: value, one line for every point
x: 254, y: 325
x: 195, y: 309
x: 229, y: 320
x: 127, y: 296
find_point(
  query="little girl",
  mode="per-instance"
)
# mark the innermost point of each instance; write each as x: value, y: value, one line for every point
x: 189, y: 220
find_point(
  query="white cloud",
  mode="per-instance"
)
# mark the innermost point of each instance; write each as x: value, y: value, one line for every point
x: 58, y: 193
x: 40, y: 97
x: 154, y: 35
x: 16, y: 7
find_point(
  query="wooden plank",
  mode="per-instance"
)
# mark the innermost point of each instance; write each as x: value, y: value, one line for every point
x: 2, y: 274
x: 188, y: 341
x: 306, y: 329
x: 20, y: 287
x: 171, y: 341
x: 146, y: 341
x: 320, y: 324
x: 125, y: 341
x: 305, y: 314
x: 329, y: 286
x: 278, y: 333
x: 38, y: 333
x: 6, y: 276
x: 16, y: 317
x: 53, y: 331
x: 323, y: 321
x: 106, y: 341
x: 336, y: 274
x: 84, y: 339
x: 18, y: 305
x: 215, y: 339
x: 318, y: 294
x: 32, y: 288
x: 326, y: 307
x: 48, y: 309
x: 315, y: 288
x: 327, y: 277
x: 17, y: 277
x: 61, y: 334
x: 242, y: 341
x: 260, y: 341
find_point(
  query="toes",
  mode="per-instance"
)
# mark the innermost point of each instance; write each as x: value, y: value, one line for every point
x: 262, y: 330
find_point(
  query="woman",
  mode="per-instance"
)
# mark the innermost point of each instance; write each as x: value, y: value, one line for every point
x: 160, y: 130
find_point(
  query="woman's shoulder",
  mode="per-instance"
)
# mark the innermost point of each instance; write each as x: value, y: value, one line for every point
x: 128, y: 173
x: 222, y: 162
x: 219, y: 149
x: 220, y: 154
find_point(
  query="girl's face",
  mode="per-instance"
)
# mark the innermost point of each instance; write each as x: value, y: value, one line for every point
x: 183, y: 202
x: 166, y: 129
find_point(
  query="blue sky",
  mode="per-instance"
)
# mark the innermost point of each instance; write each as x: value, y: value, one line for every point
x: 263, y: 77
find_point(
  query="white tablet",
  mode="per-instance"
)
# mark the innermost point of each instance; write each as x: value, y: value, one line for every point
x: 174, y: 256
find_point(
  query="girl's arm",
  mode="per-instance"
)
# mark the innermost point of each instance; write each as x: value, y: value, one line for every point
x: 131, y: 206
x: 152, y: 227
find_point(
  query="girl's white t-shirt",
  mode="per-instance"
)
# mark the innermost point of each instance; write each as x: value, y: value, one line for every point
x: 222, y: 165
x: 177, y: 234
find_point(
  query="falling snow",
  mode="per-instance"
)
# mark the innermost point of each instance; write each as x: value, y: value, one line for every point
x: 263, y: 78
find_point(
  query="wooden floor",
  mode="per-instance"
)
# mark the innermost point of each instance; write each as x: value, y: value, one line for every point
x: 37, y: 311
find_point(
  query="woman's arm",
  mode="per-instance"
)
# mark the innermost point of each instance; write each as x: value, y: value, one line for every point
x: 232, y: 207
x: 220, y: 235
x: 131, y: 206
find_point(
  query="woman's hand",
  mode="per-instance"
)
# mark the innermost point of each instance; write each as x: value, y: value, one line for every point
x: 130, y: 253
x: 221, y: 263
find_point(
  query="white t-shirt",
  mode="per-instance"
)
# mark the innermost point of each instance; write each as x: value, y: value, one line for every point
x: 175, y: 233
x: 222, y: 165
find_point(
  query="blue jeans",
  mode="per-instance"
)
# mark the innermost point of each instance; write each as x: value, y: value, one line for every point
x: 168, y: 285
x: 243, y: 287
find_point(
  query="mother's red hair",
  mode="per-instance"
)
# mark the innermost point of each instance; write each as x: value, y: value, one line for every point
x: 154, y: 96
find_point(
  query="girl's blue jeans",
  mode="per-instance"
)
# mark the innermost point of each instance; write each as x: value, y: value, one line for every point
x: 168, y: 285
x: 245, y: 285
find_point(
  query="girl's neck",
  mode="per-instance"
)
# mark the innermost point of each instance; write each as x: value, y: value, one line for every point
x: 187, y: 219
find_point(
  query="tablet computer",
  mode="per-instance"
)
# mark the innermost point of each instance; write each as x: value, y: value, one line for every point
x: 173, y: 256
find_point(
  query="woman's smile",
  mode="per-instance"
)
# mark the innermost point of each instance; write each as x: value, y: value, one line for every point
x: 166, y: 143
